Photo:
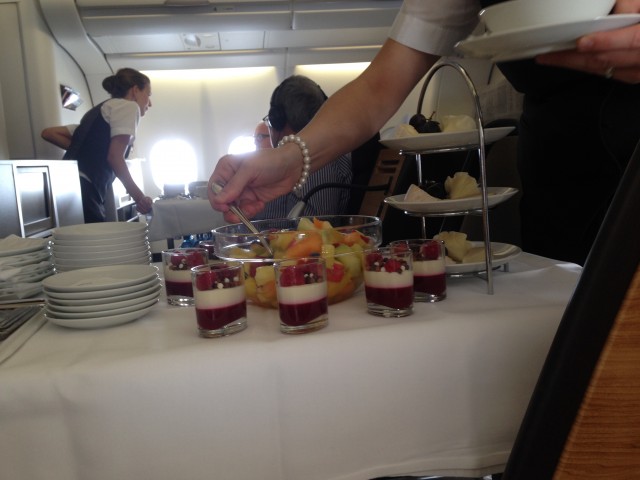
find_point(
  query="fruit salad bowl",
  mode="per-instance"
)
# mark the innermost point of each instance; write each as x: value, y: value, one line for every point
x: 339, y: 239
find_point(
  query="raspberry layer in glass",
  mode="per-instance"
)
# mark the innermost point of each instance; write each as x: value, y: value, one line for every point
x: 301, y: 304
x: 390, y: 289
x: 429, y: 277
x: 217, y: 308
x: 178, y: 282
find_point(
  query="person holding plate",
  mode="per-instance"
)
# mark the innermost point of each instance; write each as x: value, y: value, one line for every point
x: 579, y: 126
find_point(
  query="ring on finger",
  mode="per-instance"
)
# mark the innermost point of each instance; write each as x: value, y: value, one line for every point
x: 609, y: 72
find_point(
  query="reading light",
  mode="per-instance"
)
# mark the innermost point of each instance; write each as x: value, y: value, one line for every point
x: 70, y: 98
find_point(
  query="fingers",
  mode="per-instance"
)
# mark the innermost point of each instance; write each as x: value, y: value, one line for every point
x: 145, y: 205
x: 612, y: 54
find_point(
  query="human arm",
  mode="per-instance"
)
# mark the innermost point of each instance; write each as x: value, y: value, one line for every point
x: 613, y: 52
x: 116, y: 158
x: 59, y: 136
x: 348, y: 118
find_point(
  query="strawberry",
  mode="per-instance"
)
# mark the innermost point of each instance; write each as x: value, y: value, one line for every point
x: 392, y: 265
x: 194, y: 258
x: 290, y: 276
x: 430, y: 250
x: 178, y: 262
x: 205, y: 280
x: 336, y: 273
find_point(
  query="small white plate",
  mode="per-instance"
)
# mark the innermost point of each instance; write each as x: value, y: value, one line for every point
x: 532, y: 41
x: 98, y: 231
x: 105, y: 251
x: 98, y: 259
x: 50, y: 311
x: 100, y: 278
x: 62, y: 268
x: 80, y: 302
x: 428, y: 141
x: 119, y: 242
x: 14, y: 245
x: 98, y: 295
x: 101, y: 322
x: 501, y: 252
x: 495, y: 196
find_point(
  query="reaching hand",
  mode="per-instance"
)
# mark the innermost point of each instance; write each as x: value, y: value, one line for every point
x: 612, y: 54
x: 252, y: 179
x: 144, y: 205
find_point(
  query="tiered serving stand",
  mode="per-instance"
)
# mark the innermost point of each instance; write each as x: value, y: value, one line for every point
x: 487, y: 274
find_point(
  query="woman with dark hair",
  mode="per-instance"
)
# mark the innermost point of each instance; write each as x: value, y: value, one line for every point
x: 102, y: 141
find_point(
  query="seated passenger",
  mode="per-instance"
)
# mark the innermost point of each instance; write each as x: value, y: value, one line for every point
x: 293, y: 104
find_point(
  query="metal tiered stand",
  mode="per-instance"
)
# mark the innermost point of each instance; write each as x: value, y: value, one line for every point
x: 488, y: 273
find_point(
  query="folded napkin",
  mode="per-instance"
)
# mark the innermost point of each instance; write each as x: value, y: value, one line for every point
x: 24, y: 259
x: 20, y: 290
x: 14, y: 243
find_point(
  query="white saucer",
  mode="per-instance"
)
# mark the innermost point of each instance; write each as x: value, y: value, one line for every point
x: 101, y: 322
x: 427, y: 141
x: 529, y: 42
x: 149, y: 289
x: 495, y: 196
x: 98, y: 260
x: 106, y: 250
x: 95, y: 231
x: 100, y: 278
x: 501, y: 252
x: 98, y: 295
x: 50, y: 311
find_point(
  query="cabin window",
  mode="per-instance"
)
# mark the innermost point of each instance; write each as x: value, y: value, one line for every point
x: 242, y: 144
x: 173, y: 161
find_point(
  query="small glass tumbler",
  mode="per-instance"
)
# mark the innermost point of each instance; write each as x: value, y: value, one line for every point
x: 210, y: 247
x: 220, y: 299
x: 388, y: 282
x: 177, y: 264
x: 429, y: 268
x: 301, y: 287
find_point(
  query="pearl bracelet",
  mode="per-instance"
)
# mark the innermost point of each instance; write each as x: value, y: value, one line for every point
x: 306, y: 159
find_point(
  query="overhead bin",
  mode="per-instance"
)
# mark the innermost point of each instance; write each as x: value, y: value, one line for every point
x: 159, y: 32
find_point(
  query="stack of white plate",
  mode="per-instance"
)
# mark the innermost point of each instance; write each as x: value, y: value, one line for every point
x: 100, y: 244
x: 98, y: 297
x: 24, y: 262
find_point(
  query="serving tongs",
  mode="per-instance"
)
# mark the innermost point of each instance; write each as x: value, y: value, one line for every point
x: 217, y: 188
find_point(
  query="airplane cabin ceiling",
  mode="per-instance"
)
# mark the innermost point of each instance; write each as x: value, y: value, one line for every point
x: 169, y: 34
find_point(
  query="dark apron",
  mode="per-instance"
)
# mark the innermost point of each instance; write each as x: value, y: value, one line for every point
x: 577, y: 133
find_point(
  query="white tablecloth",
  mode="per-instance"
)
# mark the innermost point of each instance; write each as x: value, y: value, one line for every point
x: 441, y: 391
x: 177, y: 217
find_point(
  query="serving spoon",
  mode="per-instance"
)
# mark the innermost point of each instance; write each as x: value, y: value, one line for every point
x: 217, y: 188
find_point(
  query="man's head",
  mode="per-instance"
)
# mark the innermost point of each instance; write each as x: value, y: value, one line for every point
x: 261, y: 137
x: 293, y: 104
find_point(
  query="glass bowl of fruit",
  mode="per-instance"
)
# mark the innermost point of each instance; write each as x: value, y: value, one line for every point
x: 340, y: 239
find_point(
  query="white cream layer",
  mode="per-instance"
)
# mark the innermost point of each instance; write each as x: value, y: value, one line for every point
x: 302, y: 293
x: 182, y: 276
x: 219, y: 297
x: 428, y: 267
x: 388, y: 279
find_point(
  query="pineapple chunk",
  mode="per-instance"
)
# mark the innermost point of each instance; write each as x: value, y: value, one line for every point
x: 327, y: 253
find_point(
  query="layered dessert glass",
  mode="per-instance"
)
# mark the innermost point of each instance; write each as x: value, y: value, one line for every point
x: 302, y: 294
x: 388, y: 282
x: 429, y: 268
x: 177, y: 264
x: 220, y: 299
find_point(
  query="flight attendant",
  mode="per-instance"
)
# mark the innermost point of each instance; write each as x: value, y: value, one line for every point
x: 103, y: 139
